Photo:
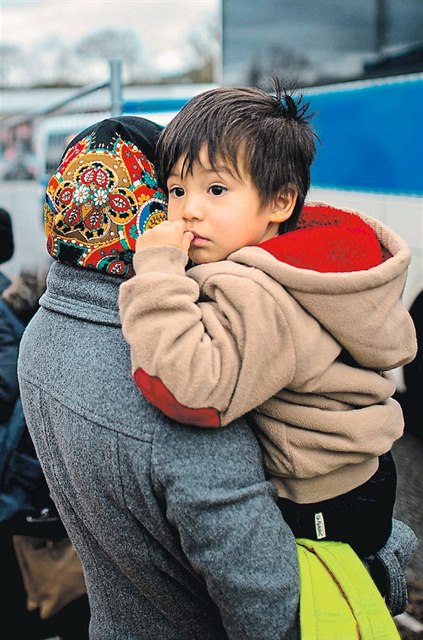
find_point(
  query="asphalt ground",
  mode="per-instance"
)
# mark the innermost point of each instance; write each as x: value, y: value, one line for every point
x: 408, y: 454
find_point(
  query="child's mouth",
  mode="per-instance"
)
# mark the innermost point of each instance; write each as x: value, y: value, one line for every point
x: 198, y: 241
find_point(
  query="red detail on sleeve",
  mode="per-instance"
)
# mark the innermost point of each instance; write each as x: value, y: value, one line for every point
x: 158, y: 395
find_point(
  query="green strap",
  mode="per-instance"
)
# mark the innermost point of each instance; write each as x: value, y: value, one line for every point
x: 338, y: 598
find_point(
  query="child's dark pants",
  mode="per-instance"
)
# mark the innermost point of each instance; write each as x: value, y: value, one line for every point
x: 362, y: 517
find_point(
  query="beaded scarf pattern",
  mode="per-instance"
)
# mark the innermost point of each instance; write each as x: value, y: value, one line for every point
x: 98, y: 202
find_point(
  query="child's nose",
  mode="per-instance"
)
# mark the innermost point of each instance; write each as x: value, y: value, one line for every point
x: 191, y: 210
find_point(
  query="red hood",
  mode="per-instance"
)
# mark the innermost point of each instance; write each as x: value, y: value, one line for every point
x: 328, y: 240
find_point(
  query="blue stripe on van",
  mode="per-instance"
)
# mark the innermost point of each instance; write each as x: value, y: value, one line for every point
x: 158, y: 105
x: 372, y: 137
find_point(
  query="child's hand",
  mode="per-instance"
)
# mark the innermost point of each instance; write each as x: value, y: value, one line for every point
x: 167, y: 233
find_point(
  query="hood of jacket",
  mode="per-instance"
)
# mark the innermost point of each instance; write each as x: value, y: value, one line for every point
x: 348, y: 271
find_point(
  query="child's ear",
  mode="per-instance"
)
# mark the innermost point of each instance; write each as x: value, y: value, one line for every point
x: 283, y: 205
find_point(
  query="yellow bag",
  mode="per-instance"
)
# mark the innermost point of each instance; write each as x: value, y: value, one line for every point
x: 51, y: 572
x: 338, y: 598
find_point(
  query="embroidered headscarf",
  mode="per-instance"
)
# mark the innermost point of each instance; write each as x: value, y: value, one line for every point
x: 104, y: 194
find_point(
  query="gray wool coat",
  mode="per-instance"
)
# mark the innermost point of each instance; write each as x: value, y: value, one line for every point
x: 176, y: 527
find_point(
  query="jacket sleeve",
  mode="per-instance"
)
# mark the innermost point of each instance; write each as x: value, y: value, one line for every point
x: 230, y: 527
x: 9, y: 344
x: 204, y: 360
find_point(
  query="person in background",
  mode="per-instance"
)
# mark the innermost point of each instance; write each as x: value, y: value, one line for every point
x: 25, y: 504
x: 178, y: 530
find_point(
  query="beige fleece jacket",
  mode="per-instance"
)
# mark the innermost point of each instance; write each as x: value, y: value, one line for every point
x: 298, y: 332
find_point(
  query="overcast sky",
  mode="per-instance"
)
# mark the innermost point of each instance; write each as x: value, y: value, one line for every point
x: 337, y: 33
x: 162, y: 26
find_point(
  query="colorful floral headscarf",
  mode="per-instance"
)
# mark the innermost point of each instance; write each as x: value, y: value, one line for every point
x: 103, y: 195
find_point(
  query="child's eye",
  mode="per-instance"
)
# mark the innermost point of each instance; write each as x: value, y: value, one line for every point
x: 176, y: 192
x: 217, y: 189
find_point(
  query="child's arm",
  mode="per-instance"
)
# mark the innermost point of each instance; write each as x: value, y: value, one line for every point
x: 204, y: 363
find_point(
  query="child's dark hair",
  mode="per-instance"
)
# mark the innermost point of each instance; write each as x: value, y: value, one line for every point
x: 272, y: 132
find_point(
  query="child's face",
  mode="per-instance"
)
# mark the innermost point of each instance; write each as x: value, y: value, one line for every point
x: 223, y: 210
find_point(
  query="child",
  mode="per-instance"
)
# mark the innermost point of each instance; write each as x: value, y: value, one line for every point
x: 290, y: 312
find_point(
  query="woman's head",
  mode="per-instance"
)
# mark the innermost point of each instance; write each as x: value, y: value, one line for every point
x: 104, y: 194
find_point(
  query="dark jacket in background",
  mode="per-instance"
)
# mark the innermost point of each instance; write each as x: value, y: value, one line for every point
x: 4, y: 281
x: 23, y: 488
